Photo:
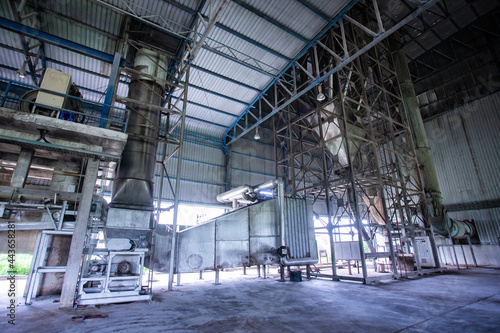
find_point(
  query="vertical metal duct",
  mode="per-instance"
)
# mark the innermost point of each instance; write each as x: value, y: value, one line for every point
x: 440, y: 220
x: 133, y: 185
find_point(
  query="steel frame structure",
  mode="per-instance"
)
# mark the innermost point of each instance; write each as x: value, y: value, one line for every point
x: 268, y: 103
x: 36, y: 63
x: 352, y: 154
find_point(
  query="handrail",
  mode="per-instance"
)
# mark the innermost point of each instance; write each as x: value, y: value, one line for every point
x: 120, y: 120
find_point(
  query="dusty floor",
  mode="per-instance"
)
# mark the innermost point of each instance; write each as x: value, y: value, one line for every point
x: 456, y: 301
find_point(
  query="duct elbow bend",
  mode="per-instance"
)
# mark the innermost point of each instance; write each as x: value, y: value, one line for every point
x: 448, y: 227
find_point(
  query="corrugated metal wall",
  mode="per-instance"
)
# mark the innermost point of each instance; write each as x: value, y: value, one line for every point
x: 252, y: 162
x: 465, y: 146
x: 202, y: 174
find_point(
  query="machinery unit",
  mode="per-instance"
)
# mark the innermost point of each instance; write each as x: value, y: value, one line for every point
x: 112, y: 277
x: 279, y: 231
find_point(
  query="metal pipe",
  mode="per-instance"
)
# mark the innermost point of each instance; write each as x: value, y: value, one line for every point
x: 245, y: 192
x: 441, y: 222
x: 134, y: 183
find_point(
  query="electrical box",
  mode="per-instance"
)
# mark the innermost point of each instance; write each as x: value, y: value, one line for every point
x: 56, y: 81
x: 423, y: 246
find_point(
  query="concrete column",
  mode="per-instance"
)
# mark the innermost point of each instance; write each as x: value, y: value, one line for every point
x: 22, y: 168
x: 77, y: 242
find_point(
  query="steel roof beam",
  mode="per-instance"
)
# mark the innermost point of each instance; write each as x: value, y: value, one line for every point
x: 332, y: 23
x: 270, y: 20
x: 54, y: 40
x: 211, y: 92
x: 313, y: 83
x: 208, y: 108
x: 314, y: 10
x: 224, y: 78
x: 227, y: 29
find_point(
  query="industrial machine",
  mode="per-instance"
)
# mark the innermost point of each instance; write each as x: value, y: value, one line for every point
x: 270, y: 231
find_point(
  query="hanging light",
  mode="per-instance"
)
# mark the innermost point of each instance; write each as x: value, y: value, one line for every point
x: 256, y: 136
x: 21, y: 72
x: 320, y: 96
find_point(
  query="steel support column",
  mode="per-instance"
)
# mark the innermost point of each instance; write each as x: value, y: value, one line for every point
x: 79, y: 234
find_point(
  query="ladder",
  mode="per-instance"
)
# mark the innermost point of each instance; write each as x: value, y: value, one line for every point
x: 38, y: 267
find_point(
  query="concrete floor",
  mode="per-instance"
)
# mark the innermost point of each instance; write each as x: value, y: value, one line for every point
x: 455, y: 301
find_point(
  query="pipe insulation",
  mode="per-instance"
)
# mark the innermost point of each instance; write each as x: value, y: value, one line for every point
x: 133, y: 185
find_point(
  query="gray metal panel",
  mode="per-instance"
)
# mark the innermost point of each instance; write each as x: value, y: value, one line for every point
x: 466, y: 150
x: 263, y: 219
x: 347, y: 251
x: 297, y: 228
x: 233, y: 227
x: 264, y: 233
x: 196, y: 250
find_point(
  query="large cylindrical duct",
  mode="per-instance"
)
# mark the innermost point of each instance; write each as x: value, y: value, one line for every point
x: 133, y: 185
x: 440, y: 220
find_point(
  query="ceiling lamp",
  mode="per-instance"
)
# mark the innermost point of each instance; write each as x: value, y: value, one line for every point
x: 256, y: 136
x: 320, y: 97
x: 21, y: 72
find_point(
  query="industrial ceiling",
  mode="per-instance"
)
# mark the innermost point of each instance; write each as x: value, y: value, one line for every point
x: 251, y: 45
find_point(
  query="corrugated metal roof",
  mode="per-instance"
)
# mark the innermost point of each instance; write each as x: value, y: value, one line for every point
x: 159, y: 12
x: 79, y: 34
x: 220, y: 85
x: 86, y: 12
x: 231, y: 69
x: 328, y: 7
x: 287, y: 13
x: 10, y: 38
x: 258, y: 29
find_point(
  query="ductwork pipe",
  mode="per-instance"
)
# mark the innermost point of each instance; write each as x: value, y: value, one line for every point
x: 441, y: 222
x: 245, y: 192
x: 134, y: 183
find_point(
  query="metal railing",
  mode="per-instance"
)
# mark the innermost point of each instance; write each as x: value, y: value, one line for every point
x: 91, y: 112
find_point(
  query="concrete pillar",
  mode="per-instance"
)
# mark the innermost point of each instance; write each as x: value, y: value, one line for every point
x: 22, y: 168
x: 64, y: 179
x: 77, y: 243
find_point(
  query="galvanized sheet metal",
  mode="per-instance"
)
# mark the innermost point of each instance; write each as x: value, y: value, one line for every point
x: 465, y: 149
x: 464, y: 145
x: 251, y: 25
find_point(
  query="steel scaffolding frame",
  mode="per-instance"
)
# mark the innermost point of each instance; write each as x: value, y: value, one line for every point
x: 354, y: 154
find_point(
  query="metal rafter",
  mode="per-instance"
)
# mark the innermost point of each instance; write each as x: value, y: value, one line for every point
x: 347, y: 55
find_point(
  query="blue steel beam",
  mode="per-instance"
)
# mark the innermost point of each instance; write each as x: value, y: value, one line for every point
x: 54, y: 40
x: 351, y: 58
x: 110, y: 92
x: 332, y: 23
